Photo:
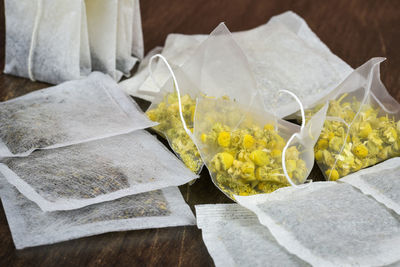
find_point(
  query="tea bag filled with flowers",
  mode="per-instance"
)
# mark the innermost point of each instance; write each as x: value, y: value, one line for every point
x: 362, y: 125
x: 207, y: 73
x: 47, y: 40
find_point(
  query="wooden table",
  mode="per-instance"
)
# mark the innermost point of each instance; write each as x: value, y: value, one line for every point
x: 353, y: 30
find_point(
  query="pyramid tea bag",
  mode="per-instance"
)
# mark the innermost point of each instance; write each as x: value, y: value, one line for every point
x: 250, y: 151
x: 208, y: 72
x: 70, y: 113
x: 381, y: 181
x: 329, y: 224
x: 32, y: 227
x: 79, y: 175
x: 362, y: 126
x: 234, y: 237
x: 39, y: 50
x: 281, y: 55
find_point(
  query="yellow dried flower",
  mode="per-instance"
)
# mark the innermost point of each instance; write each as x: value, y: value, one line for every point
x: 269, y: 127
x: 223, y: 160
x: 322, y: 144
x: 248, y: 141
x: 365, y: 129
x: 259, y: 157
x: 360, y: 151
x: 332, y: 174
x: 224, y: 139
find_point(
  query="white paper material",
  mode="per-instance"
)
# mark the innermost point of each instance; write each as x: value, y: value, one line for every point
x: 381, y: 181
x: 59, y: 53
x: 137, y: 33
x: 125, y: 61
x: 32, y: 227
x: 102, y: 28
x: 281, y: 53
x: 70, y: 113
x: 329, y: 224
x: 234, y: 237
x: 106, y: 169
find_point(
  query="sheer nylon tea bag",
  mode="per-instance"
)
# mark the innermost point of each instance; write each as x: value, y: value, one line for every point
x: 32, y: 227
x: 381, y: 181
x: 79, y: 175
x: 362, y: 126
x: 329, y: 224
x: 47, y: 40
x: 208, y: 72
x: 234, y: 237
x: 70, y: 113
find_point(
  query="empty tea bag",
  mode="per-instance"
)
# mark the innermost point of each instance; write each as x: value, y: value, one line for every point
x: 281, y: 55
x: 47, y: 40
x: 32, y: 227
x: 79, y: 175
x: 381, y: 181
x: 362, y: 126
x: 70, y: 113
x: 234, y: 237
x: 329, y: 224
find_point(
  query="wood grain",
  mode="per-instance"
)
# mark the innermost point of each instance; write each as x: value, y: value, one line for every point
x: 354, y: 30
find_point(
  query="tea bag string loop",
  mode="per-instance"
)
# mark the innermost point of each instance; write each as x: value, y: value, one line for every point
x: 187, y: 130
x: 303, y: 123
x: 34, y: 38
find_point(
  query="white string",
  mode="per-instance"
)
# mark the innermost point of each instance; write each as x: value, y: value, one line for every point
x: 176, y: 88
x: 303, y: 123
x: 34, y: 37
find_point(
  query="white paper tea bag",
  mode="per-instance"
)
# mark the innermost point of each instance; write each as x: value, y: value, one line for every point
x: 32, y: 227
x: 137, y: 33
x: 234, y: 237
x: 329, y: 224
x: 102, y: 16
x: 70, y: 113
x: 47, y: 40
x: 281, y: 53
x: 79, y: 175
x: 381, y: 181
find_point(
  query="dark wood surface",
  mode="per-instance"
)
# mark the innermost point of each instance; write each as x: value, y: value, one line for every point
x: 354, y: 30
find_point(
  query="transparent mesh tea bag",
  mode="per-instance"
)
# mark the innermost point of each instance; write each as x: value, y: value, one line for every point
x: 362, y: 126
x: 70, y: 113
x: 281, y: 53
x: 329, y: 224
x: 249, y: 151
x: 30, y: 226
x: 234, y: 237
x: 37, y: 50
x: 207, y: 73
x: 381, y: 181
x: 83, y: 174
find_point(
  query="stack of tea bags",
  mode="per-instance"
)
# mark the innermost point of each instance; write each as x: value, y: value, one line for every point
x: 57, y: 41
x: 75, y: 161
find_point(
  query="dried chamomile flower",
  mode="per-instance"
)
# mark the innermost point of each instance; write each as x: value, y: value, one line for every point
x: 249, y: 159
x: 349, y: 143
x: 170, y: 125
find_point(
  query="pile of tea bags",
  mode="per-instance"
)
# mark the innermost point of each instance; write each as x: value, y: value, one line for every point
x: 75, y: 161
x: 57, y: 41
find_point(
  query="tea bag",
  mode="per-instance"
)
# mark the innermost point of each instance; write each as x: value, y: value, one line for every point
x: 362, y: 126
x: 39, y: 50
x: 208, y: 72
x: 281, y: 55
x: 32, y: 227
x: 79, y: 175
x: 70, y: 113
x: 381, y: 181
x: 129, y: 35
x: 234, y: 237
x: 329, y: 224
